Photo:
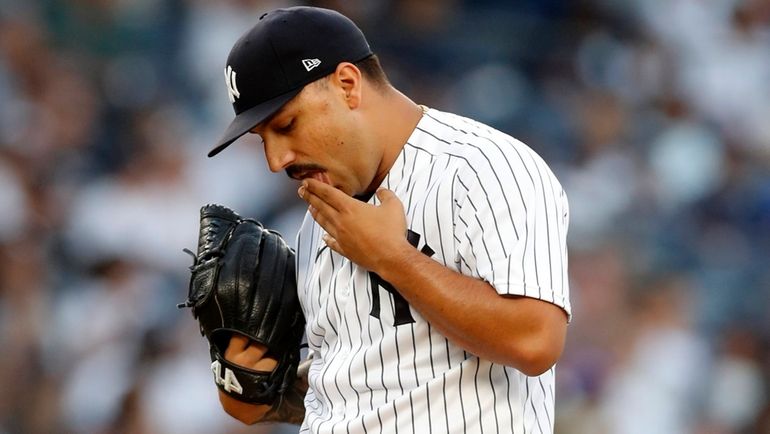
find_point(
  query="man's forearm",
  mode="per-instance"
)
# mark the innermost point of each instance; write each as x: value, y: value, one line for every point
x: 525, y: 333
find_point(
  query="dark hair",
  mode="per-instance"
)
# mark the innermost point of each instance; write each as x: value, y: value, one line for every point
x: 372, y: 70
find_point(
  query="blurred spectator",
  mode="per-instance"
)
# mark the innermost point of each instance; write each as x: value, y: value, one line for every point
x: 736, y: 392
x: 656, y: 386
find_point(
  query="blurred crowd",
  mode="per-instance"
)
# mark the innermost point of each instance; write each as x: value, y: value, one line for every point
x: 655, y: 114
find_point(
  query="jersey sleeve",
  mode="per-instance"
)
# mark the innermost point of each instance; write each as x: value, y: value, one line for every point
x: 511, y: 227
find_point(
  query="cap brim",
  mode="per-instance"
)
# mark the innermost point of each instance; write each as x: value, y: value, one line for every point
x: 248, y: 119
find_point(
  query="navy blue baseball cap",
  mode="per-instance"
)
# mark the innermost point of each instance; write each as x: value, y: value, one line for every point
x: 284, y: 51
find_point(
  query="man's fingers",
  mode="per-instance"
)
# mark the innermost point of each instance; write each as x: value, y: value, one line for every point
x: 244, y: 348
x: 323, y: 213
x: 323, y: 220
x: 389, y: 201
x: 265, y: 364
x: 317, y: 204
x: 336, y: 199
x: 238, y: 342
x: 332, y: 243
x: 244, y: 352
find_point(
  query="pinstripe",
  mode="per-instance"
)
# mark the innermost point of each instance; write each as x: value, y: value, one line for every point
x: 403, y: 154
x: 551, y: 388
x: 547, y: 229
x: 564, y: 255
x: 555, y: 208
x: 484, y: 243
x: 510, y: 404
x: 430, y: 193
x: 534, y: 257
x: 545, y: 407
x: 409, y: 186
x: 427, y: 404
x: 409, y: 207
x: 534, y: 409
x: 371, y: 342
x: 462, y: 184
x: 494, y: 399
x: 444, y: 396
x: 454, y: 205
x: 335, y: 375
x: 335, y: 297
x: 311, y: 329
x: 473, y: 253
x: 382, y: 360
x: 350, y: 339
x: 326, y: 341
x: 527, y: 400
x: 411, y: 408
x: 462, y: 404
x: 382, y: 328
x: 398, y: 363
x: 480, y: 412
x: 395, y: 413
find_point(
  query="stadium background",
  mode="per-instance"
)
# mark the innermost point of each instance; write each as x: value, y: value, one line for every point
x: 655, y: 114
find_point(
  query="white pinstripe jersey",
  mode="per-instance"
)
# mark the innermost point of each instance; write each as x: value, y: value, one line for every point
x: 478, y: 202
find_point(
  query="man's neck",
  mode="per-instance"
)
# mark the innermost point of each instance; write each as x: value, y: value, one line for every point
x: 396, y: 118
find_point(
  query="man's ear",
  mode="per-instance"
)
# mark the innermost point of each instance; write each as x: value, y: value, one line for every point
x: 347, y: 77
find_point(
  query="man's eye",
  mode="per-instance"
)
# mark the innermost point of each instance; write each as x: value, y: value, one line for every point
x: 287, y: 127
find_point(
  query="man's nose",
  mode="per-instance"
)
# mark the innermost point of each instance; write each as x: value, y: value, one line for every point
x: 278, y: 155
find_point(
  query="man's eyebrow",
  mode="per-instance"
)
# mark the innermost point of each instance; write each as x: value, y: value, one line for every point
x: 270, y: 118
x: 275, y: 114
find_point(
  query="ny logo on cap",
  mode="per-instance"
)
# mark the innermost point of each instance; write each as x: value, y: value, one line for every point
x: 310, y: 63
x: 232, y: 88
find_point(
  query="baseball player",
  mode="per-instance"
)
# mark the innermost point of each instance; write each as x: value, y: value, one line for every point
x: 431, y: 267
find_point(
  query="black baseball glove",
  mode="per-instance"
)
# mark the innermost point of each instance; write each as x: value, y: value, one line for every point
x: 243, y: 282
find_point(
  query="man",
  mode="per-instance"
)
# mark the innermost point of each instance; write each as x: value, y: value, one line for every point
x: 432, y: 264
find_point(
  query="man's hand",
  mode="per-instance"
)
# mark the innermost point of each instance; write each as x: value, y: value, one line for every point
x: 290, y: 407
x: 248, y: 354
x: 366, y: 234
x: 243, y: 282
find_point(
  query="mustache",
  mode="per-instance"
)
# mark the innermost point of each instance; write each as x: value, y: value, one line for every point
x: 300, y: 171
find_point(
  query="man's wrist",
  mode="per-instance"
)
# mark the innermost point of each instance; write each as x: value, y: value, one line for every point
x: 399, y: 258
x: 290, y: 407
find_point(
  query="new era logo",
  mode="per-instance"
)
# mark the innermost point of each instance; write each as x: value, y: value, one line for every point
x: 310, y: 63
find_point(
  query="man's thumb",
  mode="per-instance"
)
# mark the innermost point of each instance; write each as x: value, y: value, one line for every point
x: 386, y: 196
